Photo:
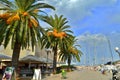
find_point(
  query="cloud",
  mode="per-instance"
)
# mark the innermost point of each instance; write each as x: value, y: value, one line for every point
x: 92, y: 38
x: 100, y: 39
x: 78, y: 9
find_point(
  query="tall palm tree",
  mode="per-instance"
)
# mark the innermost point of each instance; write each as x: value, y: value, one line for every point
x: 55, y: 35
x: 20, y: 24
x: 70, y: 51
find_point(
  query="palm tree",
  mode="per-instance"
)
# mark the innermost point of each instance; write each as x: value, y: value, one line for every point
x: 70, y: 51
x: 55, y: 35
x: 20, y: 24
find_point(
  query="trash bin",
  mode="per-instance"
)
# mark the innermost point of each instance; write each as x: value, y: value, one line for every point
x: 63, y: 73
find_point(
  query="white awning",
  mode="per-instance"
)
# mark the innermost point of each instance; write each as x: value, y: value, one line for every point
x: 4, y: 56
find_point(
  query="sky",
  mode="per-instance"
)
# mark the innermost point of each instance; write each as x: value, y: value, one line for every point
x: 96, y: 24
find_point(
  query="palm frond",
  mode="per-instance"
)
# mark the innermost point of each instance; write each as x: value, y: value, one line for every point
x: 7, y: 3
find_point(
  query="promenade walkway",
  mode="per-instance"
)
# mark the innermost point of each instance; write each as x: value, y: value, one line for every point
x: 81, y: 75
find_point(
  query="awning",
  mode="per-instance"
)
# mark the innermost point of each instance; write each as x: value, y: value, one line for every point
x: 34, y: 59
x: 4, y: 56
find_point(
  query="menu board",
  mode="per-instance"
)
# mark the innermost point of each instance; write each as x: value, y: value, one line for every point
x: 37, y: 74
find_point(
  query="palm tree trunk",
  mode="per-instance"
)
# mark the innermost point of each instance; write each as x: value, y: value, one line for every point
x: 15, y: 57
x: 55, y: 59
x: 69, y: 62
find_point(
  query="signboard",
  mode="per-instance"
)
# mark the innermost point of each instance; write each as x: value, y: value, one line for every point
x: 8, y: 73
x: 37, y: 74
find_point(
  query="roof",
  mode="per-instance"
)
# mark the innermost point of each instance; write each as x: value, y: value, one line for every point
x: 4, y: 56
x: 32, y: 58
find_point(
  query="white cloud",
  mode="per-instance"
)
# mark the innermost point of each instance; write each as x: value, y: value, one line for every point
x: 92, y: 38
x: 100, y: 39
x: 78, y: 9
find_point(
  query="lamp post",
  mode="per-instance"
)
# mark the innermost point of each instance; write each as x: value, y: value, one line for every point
x: 117, y: 50
x: 48, y: 51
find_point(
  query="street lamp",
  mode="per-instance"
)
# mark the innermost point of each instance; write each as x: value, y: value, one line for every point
x: 117, y: 50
